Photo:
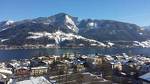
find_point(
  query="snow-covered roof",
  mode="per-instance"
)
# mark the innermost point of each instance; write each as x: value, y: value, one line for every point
x: 108, y: 57
x: 5, y: 71
x: 35, y: 80
x: 23, y: 68
x: 15, y: 64
x: 40, y: 67
x: 3, y: 76
x: 146, y: 77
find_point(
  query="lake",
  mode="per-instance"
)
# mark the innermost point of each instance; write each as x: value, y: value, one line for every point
x: 28, y: 53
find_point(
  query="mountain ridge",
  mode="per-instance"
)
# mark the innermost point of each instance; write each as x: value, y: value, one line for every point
x: 17, y: 32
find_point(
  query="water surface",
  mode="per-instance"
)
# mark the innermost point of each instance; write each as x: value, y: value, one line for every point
x: 28, y: 53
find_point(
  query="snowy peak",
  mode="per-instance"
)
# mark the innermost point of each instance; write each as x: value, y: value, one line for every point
x: 65, y: 21
x: 9, y: 22
x: 70, y: 24
x: 6, y: 23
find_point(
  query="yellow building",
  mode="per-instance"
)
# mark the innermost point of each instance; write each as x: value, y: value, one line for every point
x: 36, y: 71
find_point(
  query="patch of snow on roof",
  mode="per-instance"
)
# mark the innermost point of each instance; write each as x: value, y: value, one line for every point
x: 146, y: 76
x: 5, y: 71
x: 3, y: 76
x: 35, y: 80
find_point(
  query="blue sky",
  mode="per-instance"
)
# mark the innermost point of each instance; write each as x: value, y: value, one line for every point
x: 133, y: 11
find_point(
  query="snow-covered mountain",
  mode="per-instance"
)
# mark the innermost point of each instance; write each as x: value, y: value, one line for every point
x: 64, y: 29
x: 60, y: 29
x: 65, y: 21
x: 61, y: 21
x: 104, y: 30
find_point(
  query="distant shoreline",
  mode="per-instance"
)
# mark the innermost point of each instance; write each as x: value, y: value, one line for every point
x: 6, y: 47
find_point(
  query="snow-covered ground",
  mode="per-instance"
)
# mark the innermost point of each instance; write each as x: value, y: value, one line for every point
x: 60, y: 36
x: 144, y: 44
x: 2, y: 40
x: 92, y: 24
x: 110, y: 43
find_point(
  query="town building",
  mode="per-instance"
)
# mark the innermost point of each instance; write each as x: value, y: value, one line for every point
x: 40, y: 70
